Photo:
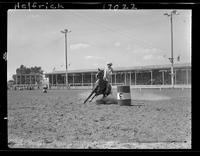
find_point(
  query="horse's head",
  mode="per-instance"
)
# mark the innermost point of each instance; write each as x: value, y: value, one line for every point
x: 100, y: 74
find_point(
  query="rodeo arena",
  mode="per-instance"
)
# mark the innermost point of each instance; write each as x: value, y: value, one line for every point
x: 140, y: 107
x: 46, y: 113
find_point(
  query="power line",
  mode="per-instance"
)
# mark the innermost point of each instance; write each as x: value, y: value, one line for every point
x: 65, y: 31
x: 174, y: 12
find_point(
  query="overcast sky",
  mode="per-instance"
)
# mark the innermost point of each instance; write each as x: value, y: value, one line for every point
x: 125, y: 38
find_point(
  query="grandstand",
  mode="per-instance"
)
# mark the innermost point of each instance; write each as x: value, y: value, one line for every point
x: 22, y: 81
x: 139, y: 76
x: 154, y: 75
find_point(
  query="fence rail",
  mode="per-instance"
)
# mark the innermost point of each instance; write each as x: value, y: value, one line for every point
x: 88, y: 86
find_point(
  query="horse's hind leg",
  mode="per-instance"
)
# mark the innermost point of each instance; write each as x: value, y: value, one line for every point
x: 104, y: 95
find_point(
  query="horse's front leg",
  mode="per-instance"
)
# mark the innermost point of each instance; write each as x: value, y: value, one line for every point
x: 89, y: 96
x: 92, y: 98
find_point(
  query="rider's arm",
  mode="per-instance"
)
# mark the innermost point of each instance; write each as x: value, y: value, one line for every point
x: 112, y: 69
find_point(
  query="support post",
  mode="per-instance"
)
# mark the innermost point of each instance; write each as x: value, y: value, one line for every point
x: 151, y: 77
x: 115, y: 79
x: 172, y: 59
x: 174, y: 12
x: 82, y: 79
x: 163, y: 77
x: 16, y: 79
x: 125, y: 77
x: 52, y: 79
x: 135, y: 78
x: 174, y: 77
x: 73, y: 79
x: 91, y: 79
x: 56, y: 80
x: 65, y: 32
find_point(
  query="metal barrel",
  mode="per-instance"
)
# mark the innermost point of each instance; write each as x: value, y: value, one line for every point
x: 123, y: 95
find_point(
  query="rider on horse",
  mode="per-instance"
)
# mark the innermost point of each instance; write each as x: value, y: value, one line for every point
x: 107, y: 74
x: 102, y: 85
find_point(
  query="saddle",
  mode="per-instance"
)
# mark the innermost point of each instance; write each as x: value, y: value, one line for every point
x: 101, y: 86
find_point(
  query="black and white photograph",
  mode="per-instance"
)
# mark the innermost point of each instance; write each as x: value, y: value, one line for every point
x: 99, y: 78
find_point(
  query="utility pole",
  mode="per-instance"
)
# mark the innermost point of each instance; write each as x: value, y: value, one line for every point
x: 174, y: 12
x: 65, y: 31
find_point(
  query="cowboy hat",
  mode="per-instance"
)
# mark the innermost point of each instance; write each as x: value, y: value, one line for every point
x: 109, y: 63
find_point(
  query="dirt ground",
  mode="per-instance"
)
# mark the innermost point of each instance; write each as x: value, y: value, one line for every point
x: 59, y: 119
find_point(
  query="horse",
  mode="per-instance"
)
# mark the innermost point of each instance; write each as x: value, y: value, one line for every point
x: 100, y: 87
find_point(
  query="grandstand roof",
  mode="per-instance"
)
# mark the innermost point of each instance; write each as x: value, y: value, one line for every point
x: 149, y: 67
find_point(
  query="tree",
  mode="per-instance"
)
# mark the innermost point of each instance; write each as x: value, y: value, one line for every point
x: 21, y: 70
x: 24, y: 70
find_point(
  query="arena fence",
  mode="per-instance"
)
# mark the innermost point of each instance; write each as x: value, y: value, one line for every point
x: 88, y: 86
x: 24, y: 87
